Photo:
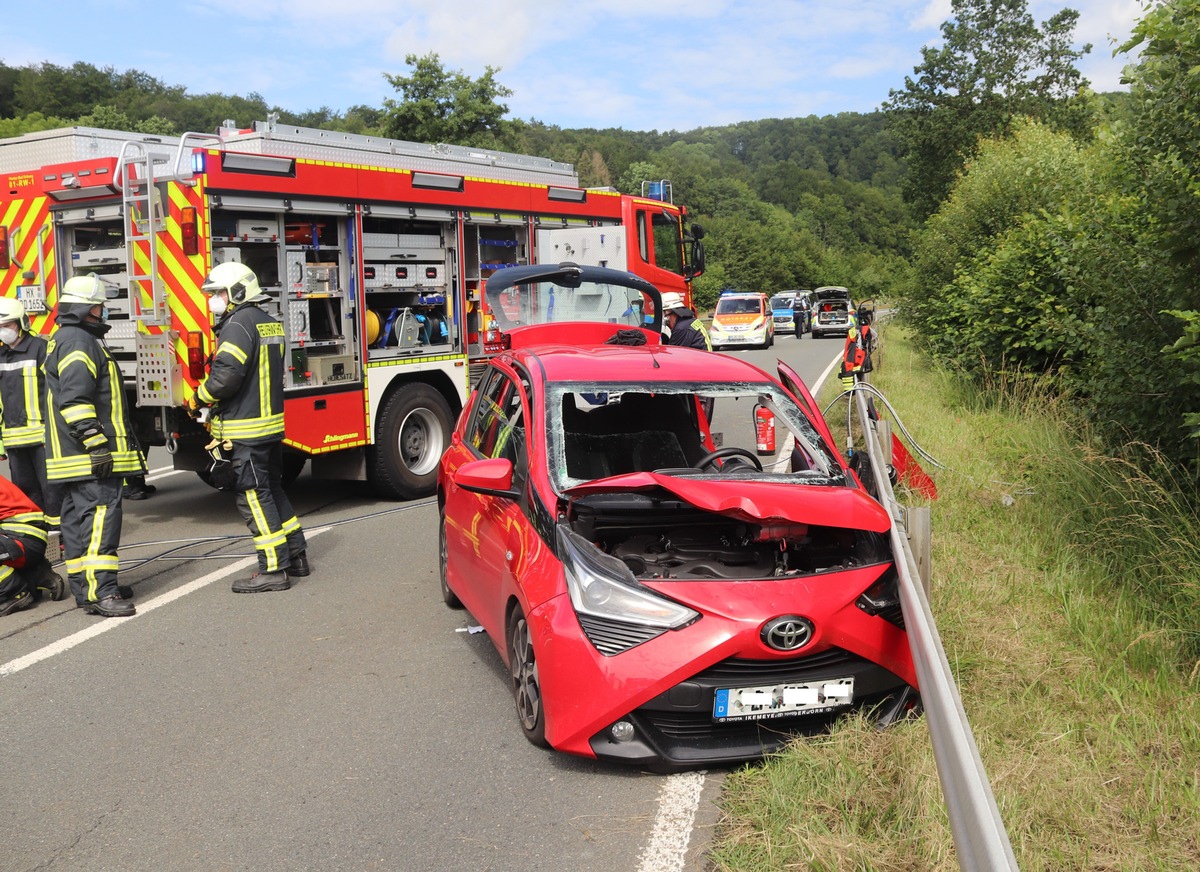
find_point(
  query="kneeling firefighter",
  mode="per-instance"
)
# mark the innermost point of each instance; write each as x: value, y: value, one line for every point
x: 245, y: 388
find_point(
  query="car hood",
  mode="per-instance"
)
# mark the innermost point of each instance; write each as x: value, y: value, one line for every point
x: 754, y: 501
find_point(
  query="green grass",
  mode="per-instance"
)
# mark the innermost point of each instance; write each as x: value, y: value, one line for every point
x: 1066, y: 589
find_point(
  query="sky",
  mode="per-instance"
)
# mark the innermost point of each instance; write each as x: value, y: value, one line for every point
x: 643, y: 65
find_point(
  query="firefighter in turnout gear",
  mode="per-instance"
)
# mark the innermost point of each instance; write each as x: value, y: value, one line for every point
x: 89, y: 447
x: 25, y: 573
x: 686, y: 329
x: 22, y: 409
x: 245, y: 388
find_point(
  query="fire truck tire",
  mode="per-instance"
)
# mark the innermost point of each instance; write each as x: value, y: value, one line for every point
x: 412, y: 433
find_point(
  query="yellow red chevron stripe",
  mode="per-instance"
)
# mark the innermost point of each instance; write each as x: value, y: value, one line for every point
x: 183, y: 274
x: 25, y: 219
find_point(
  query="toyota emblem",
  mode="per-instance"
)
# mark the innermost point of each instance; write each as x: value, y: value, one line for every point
x: 788, y: 633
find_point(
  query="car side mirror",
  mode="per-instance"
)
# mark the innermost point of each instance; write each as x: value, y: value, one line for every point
x: 492, y: 477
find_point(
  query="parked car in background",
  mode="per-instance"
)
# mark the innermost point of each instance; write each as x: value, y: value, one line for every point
x: 783, y: 312
x: 657, y: 600
x: 831, y: 311
x: 741, y: 319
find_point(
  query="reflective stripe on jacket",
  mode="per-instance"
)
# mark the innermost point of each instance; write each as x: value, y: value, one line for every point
x: 245, y: 383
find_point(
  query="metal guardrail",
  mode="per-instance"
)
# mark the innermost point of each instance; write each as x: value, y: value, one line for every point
x: 980, y: 839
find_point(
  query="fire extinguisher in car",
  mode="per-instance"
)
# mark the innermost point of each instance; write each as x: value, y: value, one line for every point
x: 764, y: 429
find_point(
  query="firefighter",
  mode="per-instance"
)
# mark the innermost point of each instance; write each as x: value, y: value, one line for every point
x: 245, y: 388
x: 853, y: 355
x: 22, y: 409
x: 89, y: 445
x: 25, y: 573
x: 686, y: 329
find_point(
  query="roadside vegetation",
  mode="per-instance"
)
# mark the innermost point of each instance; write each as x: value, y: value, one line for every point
x: 1065, y: 591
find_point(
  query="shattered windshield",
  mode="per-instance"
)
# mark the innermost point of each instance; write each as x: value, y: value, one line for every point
x: 597, y: 430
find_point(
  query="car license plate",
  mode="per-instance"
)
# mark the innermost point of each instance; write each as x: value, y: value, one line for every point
x: 782, y: 700
x: 32, y: 297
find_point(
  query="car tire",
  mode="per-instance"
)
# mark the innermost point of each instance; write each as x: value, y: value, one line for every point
x: 448, y: 596
x: 413, y: 431
x: 523, y: 678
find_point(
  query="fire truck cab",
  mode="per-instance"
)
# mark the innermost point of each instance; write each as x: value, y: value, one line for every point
x: 374, y: 253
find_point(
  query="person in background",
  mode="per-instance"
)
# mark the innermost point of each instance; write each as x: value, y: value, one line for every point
x: 25, y: 574
x: 135, y: 487
x: 89, y: 445
x: 686, y: 329
x: 245, y: 388
x: 23, y: 409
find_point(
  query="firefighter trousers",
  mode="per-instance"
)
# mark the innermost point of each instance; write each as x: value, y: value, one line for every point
x: 264, y: 506
x: 27, y: 470
x: 91, y: 532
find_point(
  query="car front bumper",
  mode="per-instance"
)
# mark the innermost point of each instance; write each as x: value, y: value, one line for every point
x: 666, y: 686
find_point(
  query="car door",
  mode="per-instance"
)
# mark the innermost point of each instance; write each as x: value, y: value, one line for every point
x: 486, y: 530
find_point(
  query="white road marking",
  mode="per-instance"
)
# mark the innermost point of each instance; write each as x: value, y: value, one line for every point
x: 104, y: 625
x: 678, y: 800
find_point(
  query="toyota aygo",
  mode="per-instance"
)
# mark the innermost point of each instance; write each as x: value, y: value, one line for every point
x: 664, y: 545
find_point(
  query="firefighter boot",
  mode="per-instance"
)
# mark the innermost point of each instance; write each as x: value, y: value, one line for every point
x: 111, y: 607
x: 20, y: 602
x: 262, y: 581
x: 299, y: 566
x: 48, y: 582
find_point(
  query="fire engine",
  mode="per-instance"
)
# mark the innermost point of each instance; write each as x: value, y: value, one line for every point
x: 374, y: 253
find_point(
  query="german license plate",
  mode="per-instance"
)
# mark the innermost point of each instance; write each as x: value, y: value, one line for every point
x: 782, y: 700
x: 32, y: 297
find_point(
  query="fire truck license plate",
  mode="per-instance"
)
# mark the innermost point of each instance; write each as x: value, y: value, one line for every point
x: 782, y: 700
x: 32, y: 297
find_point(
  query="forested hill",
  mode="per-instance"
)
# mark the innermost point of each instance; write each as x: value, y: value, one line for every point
x: 787, y: 203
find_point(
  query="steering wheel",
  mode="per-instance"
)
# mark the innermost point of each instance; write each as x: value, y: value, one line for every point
x: 728, y: 451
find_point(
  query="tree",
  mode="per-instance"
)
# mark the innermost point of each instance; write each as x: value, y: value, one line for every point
x: 994, y: 66
x: 438, y: 105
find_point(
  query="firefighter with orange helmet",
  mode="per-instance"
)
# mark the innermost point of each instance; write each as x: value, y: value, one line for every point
x: 23, y: 408
x: 244, y: 387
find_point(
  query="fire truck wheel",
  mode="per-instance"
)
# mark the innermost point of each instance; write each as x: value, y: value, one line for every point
x: 413, y: 430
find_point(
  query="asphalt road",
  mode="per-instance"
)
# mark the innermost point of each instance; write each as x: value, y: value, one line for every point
x: 349, y: 723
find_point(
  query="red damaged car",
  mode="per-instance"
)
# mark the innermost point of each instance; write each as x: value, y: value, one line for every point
x: 667, y: 583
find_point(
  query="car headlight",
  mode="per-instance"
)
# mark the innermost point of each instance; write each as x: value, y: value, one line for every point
x: 603, y: 586
x: 716, y: 328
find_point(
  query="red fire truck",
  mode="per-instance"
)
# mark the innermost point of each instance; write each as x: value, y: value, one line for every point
x: 374, y: 253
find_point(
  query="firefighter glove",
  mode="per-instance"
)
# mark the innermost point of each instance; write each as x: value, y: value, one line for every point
x: 193, y: 406
x: 102, y: 462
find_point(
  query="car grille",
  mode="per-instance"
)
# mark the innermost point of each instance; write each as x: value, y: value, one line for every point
x: 736, y: 670
x: 613, y: 637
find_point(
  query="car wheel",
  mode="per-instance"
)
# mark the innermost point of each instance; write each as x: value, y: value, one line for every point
x: 448, y: 596
x: 526, y: 686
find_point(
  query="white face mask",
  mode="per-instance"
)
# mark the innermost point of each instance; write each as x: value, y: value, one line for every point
x: 9, y: 335
x: 217, y: 304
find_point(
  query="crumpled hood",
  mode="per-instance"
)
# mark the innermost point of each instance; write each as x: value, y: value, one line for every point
x: 754, y: 501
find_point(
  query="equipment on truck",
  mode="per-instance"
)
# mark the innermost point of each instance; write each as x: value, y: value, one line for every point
x: 372, y: 253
